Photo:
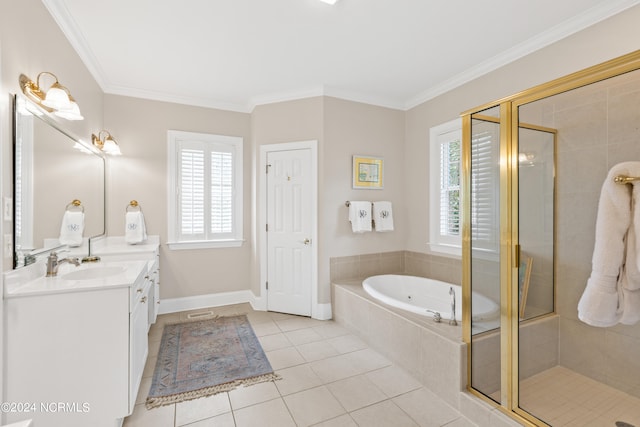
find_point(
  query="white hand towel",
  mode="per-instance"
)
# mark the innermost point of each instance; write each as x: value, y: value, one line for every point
x: 135, y: 230
x: 614, y: 263
x: 72, y: 228
x: 360, y: 216
x: 383, y: 216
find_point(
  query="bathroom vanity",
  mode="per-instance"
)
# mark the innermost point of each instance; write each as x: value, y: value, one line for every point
x: 76, y: 344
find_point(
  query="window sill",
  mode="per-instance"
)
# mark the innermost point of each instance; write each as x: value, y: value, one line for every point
x: 453, y: 251
x: 209, y: 244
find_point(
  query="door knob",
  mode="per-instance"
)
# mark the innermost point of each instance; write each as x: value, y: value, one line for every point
x: 307, y: 241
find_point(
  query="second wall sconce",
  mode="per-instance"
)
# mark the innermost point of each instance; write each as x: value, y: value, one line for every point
x: 57, y: 99
x: 105, y: 142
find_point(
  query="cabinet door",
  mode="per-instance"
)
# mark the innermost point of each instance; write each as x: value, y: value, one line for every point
x: 139, y: 346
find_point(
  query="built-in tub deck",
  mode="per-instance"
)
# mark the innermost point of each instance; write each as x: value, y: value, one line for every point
x: 450, y: 332
x: 432, y: 352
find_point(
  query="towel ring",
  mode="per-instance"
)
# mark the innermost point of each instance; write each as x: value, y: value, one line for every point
x: 133, y: 206
x: 75, y: 205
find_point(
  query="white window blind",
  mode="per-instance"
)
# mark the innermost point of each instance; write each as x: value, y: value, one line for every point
x: 484, y: 185
x: 207, y: 179
x: 221, y: 192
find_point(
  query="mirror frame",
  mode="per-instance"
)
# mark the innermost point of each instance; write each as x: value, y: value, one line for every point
x: 20, y: 101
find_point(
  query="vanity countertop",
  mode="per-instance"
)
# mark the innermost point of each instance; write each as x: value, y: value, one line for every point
x: 31, y: 280
x: 115, y: 245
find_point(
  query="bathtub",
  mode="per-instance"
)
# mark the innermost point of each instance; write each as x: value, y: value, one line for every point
x: 419, y: 294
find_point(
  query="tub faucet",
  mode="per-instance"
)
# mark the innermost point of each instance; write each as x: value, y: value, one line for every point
x: 453, y: 321
x: 436, y: 316
x: 53, y: 263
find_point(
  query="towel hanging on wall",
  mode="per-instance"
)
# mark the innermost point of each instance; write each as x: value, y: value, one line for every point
x: 360, y: 216
x: 72, y: 226
x: 135, y: 230
x: 612, y: 294
x: 383, y: 216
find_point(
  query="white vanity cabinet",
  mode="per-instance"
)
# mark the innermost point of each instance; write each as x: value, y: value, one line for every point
x: 75, y: 350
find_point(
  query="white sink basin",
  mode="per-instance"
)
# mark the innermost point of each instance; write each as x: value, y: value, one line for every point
x: 93, y: 273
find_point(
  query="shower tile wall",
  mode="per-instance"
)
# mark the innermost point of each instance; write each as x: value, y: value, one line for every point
x: 598, y: 127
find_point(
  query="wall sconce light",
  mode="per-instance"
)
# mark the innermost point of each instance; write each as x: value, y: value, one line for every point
x: 106, y: 143
x: 57, y: 99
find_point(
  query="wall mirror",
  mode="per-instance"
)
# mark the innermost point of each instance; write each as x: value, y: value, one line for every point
x: 51, y: 169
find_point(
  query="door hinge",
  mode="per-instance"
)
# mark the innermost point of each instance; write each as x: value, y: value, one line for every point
x: 266, y: 284
x: 267, y: 168
x: 516, y: 260
x: 266, y: 227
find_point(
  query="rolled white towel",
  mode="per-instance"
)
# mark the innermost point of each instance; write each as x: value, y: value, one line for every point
x: 360, y: 216
x: 135, y: 230
x: 615, y: 259
x: 383, y: 216
x: 72, y: 228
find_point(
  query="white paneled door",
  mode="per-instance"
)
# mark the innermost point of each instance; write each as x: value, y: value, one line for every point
x: 289, y: 222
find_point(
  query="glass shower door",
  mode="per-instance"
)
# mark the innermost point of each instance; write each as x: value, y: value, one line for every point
x: 484, y: 214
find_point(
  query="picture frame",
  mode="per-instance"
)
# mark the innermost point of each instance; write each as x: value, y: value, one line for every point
x: 368, y: 172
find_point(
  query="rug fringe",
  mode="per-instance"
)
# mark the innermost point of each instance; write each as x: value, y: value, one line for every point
x: 154, y: 402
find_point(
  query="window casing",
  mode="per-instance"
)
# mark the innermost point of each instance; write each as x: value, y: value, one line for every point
x: 205, y: 190
x: 444, y: 210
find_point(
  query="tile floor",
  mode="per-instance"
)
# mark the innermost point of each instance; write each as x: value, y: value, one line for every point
x: 329, y: 378
x: 564, y: 398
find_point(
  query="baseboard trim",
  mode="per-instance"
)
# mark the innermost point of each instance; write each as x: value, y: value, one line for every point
x: 174, y: 305
x: 322, y: 311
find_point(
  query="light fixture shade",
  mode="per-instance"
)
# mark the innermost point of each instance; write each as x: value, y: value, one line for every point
x: 57, y: 98
x: 111, y: 146
x: 72, y: 113
x: 329, y: 1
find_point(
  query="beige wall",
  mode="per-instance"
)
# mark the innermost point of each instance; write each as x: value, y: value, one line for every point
x: 140, y: 127
x: 31, y: 42
x: 354, y: 128
x: 342, y: 129
x: 282, y: 122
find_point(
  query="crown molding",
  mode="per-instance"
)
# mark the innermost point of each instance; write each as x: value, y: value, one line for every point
x: 62, y: 17
x: 565, y: 29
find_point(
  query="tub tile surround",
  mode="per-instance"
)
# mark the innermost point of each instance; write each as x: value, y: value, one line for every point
x: 446, y: 269
x: 352, y: 385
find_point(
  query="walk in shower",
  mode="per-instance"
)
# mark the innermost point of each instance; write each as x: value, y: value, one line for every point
x: 533, y: 168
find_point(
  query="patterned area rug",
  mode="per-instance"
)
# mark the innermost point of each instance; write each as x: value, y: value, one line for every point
x: 206, y: 357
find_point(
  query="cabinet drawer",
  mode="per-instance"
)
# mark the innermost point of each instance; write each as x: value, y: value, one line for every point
x: 139, y: 290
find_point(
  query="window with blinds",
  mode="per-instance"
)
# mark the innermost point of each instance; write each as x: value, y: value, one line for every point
x: 207, y: 185
x: 444, y: 210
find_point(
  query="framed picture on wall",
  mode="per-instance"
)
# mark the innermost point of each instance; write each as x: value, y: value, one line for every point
x: 368, y: 172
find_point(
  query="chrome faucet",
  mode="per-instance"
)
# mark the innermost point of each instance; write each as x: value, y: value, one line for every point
x: 53, y: 263
x: 453, y: 321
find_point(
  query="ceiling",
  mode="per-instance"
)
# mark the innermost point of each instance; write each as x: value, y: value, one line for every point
x: 236, y: 54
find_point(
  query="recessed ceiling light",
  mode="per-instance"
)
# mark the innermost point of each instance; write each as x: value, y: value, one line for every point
x: 329, y: 1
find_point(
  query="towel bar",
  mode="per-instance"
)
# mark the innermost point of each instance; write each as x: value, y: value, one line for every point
x: 133, y: 206
x: 624, y: 179
x: 75, y: 204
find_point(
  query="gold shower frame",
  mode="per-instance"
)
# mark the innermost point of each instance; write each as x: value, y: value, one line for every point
x: 509, y: 245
